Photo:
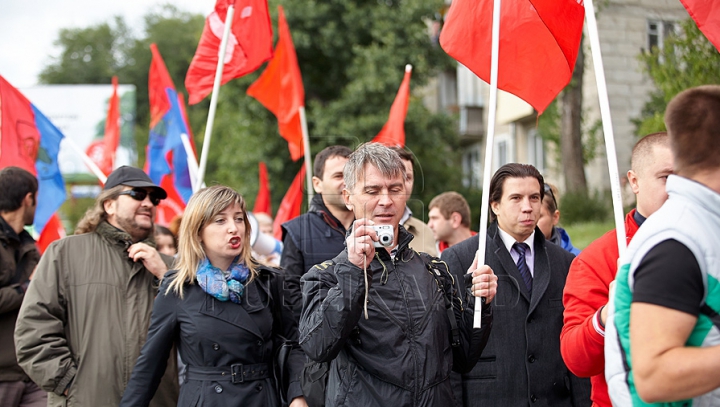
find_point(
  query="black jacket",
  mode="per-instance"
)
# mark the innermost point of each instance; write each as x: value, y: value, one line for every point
x: 218, y: 341
x: 18, y: 258
x: 521, y: 364
x: 401, y: 355
x: 308, y: 240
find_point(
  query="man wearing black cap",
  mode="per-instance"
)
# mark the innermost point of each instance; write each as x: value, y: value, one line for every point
x: 85, y: 317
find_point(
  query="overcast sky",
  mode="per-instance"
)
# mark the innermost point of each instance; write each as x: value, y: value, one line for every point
x: 28, y: 28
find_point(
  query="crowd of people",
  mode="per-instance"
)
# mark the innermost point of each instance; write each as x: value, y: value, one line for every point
x: 359, y: 310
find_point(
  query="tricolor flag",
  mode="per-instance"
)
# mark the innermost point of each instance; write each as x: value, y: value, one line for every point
x: 167, y: 159
x: 29, y: 140
x: 539, y: 43
x: 249, y: 45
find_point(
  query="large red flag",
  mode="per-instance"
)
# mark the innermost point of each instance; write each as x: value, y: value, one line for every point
x: 262, y: 201
x: 706, y: 14
x: 280, y: 89
x: 393, y: 132
x: 539, y: 43
x: 290, y: 205
x: 249, y: 45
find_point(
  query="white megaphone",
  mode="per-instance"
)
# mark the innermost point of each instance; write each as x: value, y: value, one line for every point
x: 261, y: 243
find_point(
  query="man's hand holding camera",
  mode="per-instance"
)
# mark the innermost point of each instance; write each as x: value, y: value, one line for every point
x: 484, y: 281
x: 361, y: 243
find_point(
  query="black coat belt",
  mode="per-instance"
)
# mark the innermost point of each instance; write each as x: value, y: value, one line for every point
x: 235, y: 373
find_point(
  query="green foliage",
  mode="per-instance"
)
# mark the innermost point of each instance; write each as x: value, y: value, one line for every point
x: 577, y: 207
x: 352, y: 55
x: 686, y: 60
x: 549, y: 130
x: 584, y: 233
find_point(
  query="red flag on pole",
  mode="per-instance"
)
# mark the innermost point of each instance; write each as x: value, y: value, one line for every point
x: 393, y: 133
x: 706, y: 14
x: 539, y: 43
x: 249, y: 45
x: 290, y: 205
x: 111, y: 140
x: 262, y: 201
x: 53, y: 231
x: 280, y: 89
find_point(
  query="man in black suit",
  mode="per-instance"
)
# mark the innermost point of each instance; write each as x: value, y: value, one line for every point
x: 521, y: 364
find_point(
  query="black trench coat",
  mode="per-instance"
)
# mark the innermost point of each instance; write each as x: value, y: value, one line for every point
x: 218, y: 341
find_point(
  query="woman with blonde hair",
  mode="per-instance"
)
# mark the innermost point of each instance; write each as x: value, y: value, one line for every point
x: 223, y: 310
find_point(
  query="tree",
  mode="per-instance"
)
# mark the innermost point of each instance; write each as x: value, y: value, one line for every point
x: 352, y: 55
x: 571, y: 130
x: 686, y: 60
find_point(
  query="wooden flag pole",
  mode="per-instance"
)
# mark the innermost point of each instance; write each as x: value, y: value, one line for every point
x: 306, y: 150
x: 489, y: 142
x: 213, y: 99
x: 607, y: 126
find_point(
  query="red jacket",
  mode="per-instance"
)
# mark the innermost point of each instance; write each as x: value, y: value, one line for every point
x: 582, y: 338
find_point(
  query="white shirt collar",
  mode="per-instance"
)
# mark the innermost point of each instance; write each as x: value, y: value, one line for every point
x: 406, y: 215
x: 509, y: 241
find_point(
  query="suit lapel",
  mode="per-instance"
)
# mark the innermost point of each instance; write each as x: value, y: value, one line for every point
x: 541, y: 278
x: 231, y: 313
x: 498, y: 247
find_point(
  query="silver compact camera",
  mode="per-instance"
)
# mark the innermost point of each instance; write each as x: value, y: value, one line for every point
x: 385, y: 235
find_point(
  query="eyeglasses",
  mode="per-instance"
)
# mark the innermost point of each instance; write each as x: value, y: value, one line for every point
x: 140, y: 194
x: 549, y: 191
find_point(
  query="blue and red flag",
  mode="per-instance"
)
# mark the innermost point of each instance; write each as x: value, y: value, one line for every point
x: 29, y: 140
x: 167, y: 159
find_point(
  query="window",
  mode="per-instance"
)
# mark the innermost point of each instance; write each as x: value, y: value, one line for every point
x: 657, y: 31
x: 471, y: 167
x: 536, y: 150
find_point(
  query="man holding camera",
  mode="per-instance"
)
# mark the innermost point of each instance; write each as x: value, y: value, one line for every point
x: 389, y: 318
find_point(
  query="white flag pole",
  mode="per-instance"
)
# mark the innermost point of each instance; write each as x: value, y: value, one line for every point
x: 192, y: 162
x: 215, y: 92
x: 607, y: 126
x: 308, y: 160
x: 489, y: 141
x: 87, y: 160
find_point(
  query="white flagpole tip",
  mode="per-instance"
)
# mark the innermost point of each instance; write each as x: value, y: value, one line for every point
x: 408, y: 68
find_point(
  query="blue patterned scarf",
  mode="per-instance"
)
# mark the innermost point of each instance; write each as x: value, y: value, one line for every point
x: 220, y: 285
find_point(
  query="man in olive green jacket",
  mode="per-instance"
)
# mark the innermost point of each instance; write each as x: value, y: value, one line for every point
x: 85, y: 317
x: 18, y: 257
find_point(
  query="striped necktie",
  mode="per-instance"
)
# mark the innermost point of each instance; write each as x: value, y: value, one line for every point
x: 522, y: 266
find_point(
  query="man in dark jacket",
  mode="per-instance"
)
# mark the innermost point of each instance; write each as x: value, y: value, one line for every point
x: 395, y: 331
x: 18, y: 258
x: 521, y: 364
x: 85, y: 317
x: 319, y: 234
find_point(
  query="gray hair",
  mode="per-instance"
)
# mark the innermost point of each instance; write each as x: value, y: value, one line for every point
x: 386, y: 160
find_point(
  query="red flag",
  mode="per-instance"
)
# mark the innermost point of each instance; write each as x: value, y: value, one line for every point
x: 53, y: 231
x: 249, y: 45
x: 262, y: 202
x: 280, y: 89
x: 539, y: 43
x: 112, y: 131
x: 706, y: 14
x: 290, y: 205
x: 393, y: 132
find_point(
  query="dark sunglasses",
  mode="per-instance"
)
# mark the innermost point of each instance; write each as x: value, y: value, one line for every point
x: 548, y: 190
x: 140, y: 194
